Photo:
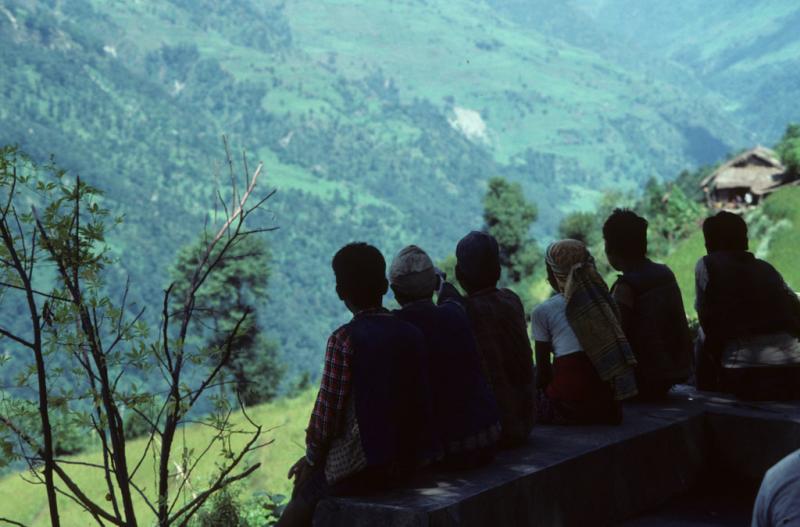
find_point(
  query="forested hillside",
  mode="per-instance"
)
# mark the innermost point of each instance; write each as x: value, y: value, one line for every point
x: 377, y: 120
x: 749, y: 52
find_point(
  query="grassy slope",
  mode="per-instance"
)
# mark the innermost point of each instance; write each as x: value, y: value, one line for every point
x: 288, y: 418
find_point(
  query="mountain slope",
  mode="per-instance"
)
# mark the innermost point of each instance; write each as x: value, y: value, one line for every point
x: 747, y: 51
x: 377, y: 120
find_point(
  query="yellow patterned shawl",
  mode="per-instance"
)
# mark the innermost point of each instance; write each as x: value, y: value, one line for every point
x: 593, y: 315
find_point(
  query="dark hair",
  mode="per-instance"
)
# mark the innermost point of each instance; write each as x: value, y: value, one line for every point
x: 360, y: 271
x: 625, y: 233
x: 725, y: 232
x: 477, y: 261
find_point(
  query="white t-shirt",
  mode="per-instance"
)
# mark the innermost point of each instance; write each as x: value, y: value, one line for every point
x: 549, y: 324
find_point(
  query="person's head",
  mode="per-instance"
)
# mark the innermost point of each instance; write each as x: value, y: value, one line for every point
x: 561, y: 257
x: 360, y: 276
x: 412, y: 275
x: 625, y: 235
x: 477, y: 262
x: 725, y: 232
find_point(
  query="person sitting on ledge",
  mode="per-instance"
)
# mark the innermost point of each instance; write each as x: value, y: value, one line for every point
x: 498, y: 323
x: 579, y: 325
x: 372, y: 422
x: 464, y: 407
x: 651, y: 307
x: 749, y: 318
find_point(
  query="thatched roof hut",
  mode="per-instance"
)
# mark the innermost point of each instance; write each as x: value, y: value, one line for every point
x: 745, y: 179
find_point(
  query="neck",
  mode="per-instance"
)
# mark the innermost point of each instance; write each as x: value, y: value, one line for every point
x: 631, y: 265
x: 354, y: 309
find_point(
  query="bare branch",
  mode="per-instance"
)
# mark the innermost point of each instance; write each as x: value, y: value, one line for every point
x: 15, y: 338
x: 35, y: 292
x: 12, y: 522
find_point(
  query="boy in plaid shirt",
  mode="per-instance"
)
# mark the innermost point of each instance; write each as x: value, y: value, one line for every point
x: 371, y: 424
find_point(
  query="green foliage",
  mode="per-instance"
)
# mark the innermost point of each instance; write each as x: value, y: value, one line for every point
x: 508, y: 216
x: 237, y: 287
x: 672, y: 216
x: 288, y: 417
x: 581, y: 226
x: 789, y: 150
x: 221, y: 511
x: 361, y: 140
x: 79, y: 355
x: 227, y: 509
x: 783, y: 209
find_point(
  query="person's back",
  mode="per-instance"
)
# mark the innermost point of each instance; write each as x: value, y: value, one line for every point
x: 658, y: 330
x: 778, y: 501
x: 749, y: 317
x: 464, y: 408
x: 371, y: 424
x: 651, y: 307
x: 744, y: 296
x: 391, y: 393
x: 497, y: 318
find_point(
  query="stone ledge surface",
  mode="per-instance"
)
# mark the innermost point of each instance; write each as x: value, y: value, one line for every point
x: 588, y: 475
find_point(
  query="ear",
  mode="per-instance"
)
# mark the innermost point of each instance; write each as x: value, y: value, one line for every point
x: 339, y: 293
x: 385, y: 287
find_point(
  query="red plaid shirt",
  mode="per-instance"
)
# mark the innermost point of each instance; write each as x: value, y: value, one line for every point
x: 335, y: 386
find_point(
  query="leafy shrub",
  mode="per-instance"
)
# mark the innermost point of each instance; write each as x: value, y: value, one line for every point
x: 227, y: 510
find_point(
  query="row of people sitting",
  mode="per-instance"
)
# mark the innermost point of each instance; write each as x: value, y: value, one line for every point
x: 450, y: 382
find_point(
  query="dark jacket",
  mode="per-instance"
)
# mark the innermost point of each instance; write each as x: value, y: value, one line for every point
x: 498, y: 323
x: 464, y: 408
x: 745, y: 296
x: 656, y: 327
x: 391, y: 393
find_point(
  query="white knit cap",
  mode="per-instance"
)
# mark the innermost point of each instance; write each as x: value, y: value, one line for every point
x: 412, y: 273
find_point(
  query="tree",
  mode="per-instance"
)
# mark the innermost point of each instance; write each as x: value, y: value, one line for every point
x: 238, y: 286
x: 789, y: 150
x: 508, y: 216
x: 83, y: 349
x: 580, y: 226
x: 671, y: 214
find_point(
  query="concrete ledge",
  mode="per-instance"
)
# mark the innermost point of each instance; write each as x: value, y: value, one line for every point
x: 589, y: 475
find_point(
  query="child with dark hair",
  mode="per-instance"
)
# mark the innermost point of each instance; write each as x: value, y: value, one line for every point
x: 749, y: 318
x: 497, y: 319
x: 651, y: 307
x: 372, y: 422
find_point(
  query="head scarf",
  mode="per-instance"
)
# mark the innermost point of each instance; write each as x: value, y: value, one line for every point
x: 593, y: 315
x: 412, y: 273
x: 563, y: 255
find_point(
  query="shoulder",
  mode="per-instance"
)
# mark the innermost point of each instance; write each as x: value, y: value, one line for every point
x: 768, y: 268
x: 624, y: 294
x: 510, y: 296
x: 553, y: 304
x: 701, y: 266
x: 664, y: 270
x: 341, y: 337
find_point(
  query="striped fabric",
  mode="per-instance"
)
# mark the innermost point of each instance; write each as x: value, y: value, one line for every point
x: 594, y: 316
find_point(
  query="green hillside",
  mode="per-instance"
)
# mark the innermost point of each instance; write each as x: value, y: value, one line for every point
x: 378, y: 120
x: 744, y: 50
x: 286, y: 419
